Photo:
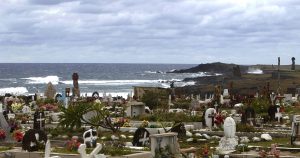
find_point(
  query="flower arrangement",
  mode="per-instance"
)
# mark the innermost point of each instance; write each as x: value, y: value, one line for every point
x: 18, y: 135
x: 205, y: 152
x: 2, y: 134
x: 145, y: 124
x: 16, y: 106
x: 49, y: 107
x: 219, y: 119
x: 73, y: 144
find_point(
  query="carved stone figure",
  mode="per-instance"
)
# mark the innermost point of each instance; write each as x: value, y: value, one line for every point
x: 76, y: 91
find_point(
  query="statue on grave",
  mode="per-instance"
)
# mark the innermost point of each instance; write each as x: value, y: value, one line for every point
x: 293, y: 63
x: 75, y: 89
x: 50, y: 91
x: 229, y: 141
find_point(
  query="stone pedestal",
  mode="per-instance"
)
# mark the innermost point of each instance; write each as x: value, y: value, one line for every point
x: 228, y: 144
x: 162, y: 141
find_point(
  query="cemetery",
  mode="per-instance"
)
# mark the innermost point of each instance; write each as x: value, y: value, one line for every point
x: 157, y: 124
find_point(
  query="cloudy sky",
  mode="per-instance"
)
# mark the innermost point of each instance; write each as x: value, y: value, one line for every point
x: 150, y: 31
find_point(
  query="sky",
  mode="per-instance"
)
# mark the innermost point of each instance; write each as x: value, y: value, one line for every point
x: 149, y: 31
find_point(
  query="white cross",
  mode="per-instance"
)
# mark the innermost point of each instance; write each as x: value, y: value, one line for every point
x: 40, y: 120
x: 143, y: 140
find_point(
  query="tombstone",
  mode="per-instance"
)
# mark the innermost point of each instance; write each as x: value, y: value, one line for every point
x: 273, y: 98
x: 272, y: 110
x: 288, y: 97
x: 32, y: 139
x: 93, y: 154
x: 48, y: 150
x: 39, y: 120
x: 95, y: 95
x: 195, y: 104
x: 295, y: 135
x: 141, y: 137
x: 135, y: 109
x: 249, y: 116
x: 293, y: 63
x: 179, y: 128
x: 225, y: 93
x: 162, y: 141
x: 229, y: 141
x: 90, y: 138
x: 26, y: 109
x: 75, y: 90
x: 50, y: 91
x: 278, y: 115
x: 210, y: 117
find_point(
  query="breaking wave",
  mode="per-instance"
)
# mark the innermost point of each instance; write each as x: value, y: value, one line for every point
x: 13, y: 90
x: 42, y: 80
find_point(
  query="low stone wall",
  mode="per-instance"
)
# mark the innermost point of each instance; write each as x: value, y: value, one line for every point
x: 248, y: 134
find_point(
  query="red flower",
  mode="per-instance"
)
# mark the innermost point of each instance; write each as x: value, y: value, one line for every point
x: 18, y: 136
x: 2, y: 134
x: 219, y: 119
x: 73, y: 144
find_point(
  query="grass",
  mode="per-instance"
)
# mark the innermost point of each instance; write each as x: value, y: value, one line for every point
x: 4, y: 148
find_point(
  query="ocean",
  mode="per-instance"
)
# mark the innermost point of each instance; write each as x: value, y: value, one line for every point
x: 114, y: 79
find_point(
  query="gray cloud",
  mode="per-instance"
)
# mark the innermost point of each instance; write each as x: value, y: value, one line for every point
x: 168, y: 31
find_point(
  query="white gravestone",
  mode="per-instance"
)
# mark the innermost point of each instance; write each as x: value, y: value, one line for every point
x: 278, y: 115
x: 209, y: 117
x: 90, y: 137
x: 48, y: 150
x: 93, y: 154
x: 226, y: 93
x: 229, y: 141
x: 26, y: 109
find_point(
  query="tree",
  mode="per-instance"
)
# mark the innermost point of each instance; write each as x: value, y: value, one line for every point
x: 73, y: 116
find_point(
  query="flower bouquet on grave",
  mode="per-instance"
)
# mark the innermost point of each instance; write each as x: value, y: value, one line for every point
x: 49, y: 107
x: 16, y: 106
x: 2, y: 134
x: 126, y: 123
x: 18, y: 135
x: 219, y: 120
x: 73, y: 144
x: 145, y: 124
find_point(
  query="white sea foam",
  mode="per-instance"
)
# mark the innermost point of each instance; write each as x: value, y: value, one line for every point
x: 8, y: 79
x: 154, y: 72
x: 13, y: 90
x: 42, y: 80
x: 111, y: 82
x: 255, y: 71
